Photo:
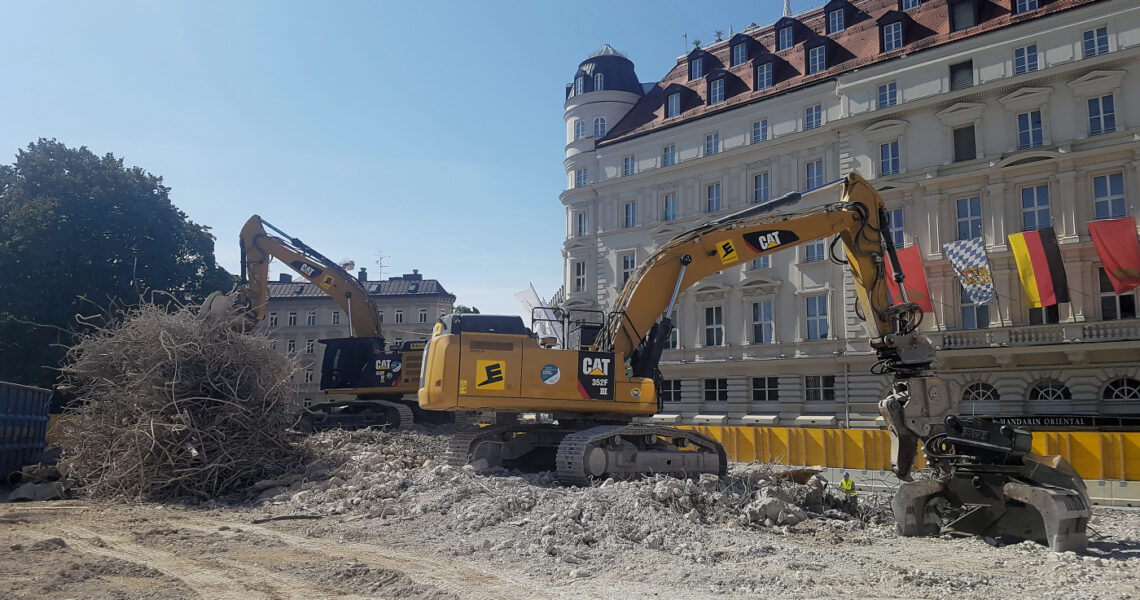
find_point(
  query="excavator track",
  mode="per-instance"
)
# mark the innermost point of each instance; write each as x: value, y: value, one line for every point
x: 625, y: 451
x: 407, y: 419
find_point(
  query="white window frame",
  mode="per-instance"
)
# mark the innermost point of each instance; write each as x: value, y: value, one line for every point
x: 669, y: 155
x: 291, y: 346
x: 308, y: 375
x: 813, y: 116
x: 1040, y: 211
x: 581, y: 227
x: 579, y: 129
x: 911, y: 4
x: 628, y: 166
x: 739, y: 54
x: 581, y: 177
x: 423, y: 315
x: 714, y: 326
x: 630, y: 215
x: 292, y: 319
x: 815, y: 251
x: 719, y: 389
x: 599, y: 82
x: 310, y: 346
x: 763, y: 318
x: 760, y: 131
x: 768, y: 387
x: 895, y: 221
x: 671, y: 390
x: 1094, y: 42
x: 712, y: 143
x: 334, y: 319
x: 817, y: 388
x: 1025, y: 59
x: 579, y: 85
x: 399, y: 316
x: 1024, y: 6
x: 1034, y: 137
x: 1105, y: 203
x: 814, y: 174
x: 696, y: 69
x: 1103, y: 121
x: 673, y: 105
x: 765, y: 76
x: 890, y: 158
x: 973, y: 222
x: 763, y: 262
x: 892, y: 36
x: 578, y: 268
x: 669, y: 207
x: 716, y: 91
x: 786, y: 39
x: 836, y: 21
x: 888, y: 94
x: 273, y: 319
x: 761, y: 187
x: 712, y: 197
x: 1109, y: 295
x: 817, y: 322
x: 311, y: 318
x: 817, y: 60
x: 599, y: 126
x: 628, y: 264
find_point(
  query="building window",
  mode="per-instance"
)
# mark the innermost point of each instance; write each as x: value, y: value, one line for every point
x: 716, y: 390
x: 963, y: 15
x: 599, y: 82
x: 308, y: 402
x: 579, y: 275
x: 599, y: 126
x: 1125, y: 388
x: 814, y: 251
x: 696, y: 69
x: 714, y: 326
x: 760, y: 187
x: 1048, y: 314
x: 965, y: 145
x: 628, y: 264
x: 1025, y: 59
x: 335, y: 317
x: 1108, y: 196
x: 835, y: 21
x: 895, y: 227
x: 1024, y: 6
x: 716, y: 91
x: 627, y: 165
x: 673, y: 105
x: 579, y: 85
x: 292, y: 319
x: 712, y: 195
x: 579, y: 129
x: 669, y: 207
x: 399, y: 316
x: 764, y: 262
x: 712, y: 144
x: 423, y: 315
x: 291, y: 346
x: 311, y: 318
x: 819, y: 388
x: 1095, y: 42
x: 762, y: 323
x: 786, y: 39
x: 1035, y: 207
x: 961, y: 75
x: 581, y: 229
x: 764, y: 76
x: 674, y: 335
x: 380, y: 315
x: 273, y: 319
x: 310, y: 345
x: 760, y: 131
x: 969, y: 218
x: 892, y: 36
x: 308, y: 375
x: 888, y: 94
x: 1029, y: 133
x: 974, y: 316
x: 909, y: 4
x: 765, y: 389
x: 671, y: 390
x: 813, y: 116
x: 889, y: 158
x: 817, y: 59
x: 979, y: 392
x: 1113, y: 306
x: 669, y: 155
x: 813, y: 175
x: 817, y: 317
x: 580, y: 177
x: 630, y: 215
x: 1049, y: 389
x: 739, y: 54
x: 1102, y: 115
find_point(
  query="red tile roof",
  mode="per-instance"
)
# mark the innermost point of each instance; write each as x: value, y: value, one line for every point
x: 857, y: 46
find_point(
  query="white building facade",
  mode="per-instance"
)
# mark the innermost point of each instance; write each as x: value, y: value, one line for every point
x: 974, y: 119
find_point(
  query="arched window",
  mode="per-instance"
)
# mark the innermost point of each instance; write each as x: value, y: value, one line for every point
x: 579, y: 129
x: 979, y: 392
x: 579, y: 85
x: 599, y: 126
x: 1125, y: 388
x: 599, y: 82
x: 1049, y: 389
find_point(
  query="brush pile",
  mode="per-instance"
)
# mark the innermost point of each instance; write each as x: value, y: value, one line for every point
x: 174, y: 406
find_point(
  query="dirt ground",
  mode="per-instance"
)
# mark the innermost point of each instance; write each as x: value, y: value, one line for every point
x: 383, y: 520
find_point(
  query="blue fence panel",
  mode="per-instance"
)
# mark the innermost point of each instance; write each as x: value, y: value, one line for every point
x: 23, y: 426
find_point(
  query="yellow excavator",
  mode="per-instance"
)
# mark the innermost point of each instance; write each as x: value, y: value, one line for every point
x: 984, y: 478
x: 370, y: 377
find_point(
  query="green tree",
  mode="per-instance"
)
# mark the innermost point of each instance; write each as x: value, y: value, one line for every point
x: 78, y: 233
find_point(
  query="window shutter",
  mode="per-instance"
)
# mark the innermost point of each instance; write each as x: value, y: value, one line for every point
x: 962, y: 75
x: 963, y: 15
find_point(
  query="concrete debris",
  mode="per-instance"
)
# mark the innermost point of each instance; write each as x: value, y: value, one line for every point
x: 36, y: 492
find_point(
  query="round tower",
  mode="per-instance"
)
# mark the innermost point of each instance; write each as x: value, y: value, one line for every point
x: 604, y: 88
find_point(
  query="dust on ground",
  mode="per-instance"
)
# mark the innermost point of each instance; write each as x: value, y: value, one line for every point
x: 377, y: 515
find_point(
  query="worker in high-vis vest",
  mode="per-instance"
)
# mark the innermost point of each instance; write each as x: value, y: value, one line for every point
x: 847, y: 486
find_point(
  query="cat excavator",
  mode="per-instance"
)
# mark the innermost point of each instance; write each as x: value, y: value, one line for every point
x: 983, y: 478
x: 370, y: 377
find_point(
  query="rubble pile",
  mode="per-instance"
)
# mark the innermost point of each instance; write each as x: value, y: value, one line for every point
x: 397, y: 476
x: 170, y: 405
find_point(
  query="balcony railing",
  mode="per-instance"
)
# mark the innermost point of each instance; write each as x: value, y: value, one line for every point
x: 1038, y: 335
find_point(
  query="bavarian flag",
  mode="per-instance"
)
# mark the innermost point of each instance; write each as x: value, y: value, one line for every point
x: 1040, y: 268
x: 1115, y: 241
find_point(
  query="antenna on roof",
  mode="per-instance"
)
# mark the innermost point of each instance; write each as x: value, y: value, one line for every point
x: 787, y: 8
x: 380, y: 264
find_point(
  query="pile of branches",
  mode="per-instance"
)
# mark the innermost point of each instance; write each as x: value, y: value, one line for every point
x: 171, y: 405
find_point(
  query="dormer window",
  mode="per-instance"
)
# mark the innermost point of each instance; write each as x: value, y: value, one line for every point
x: 764, y: 79
x: 599, y: 82
x: 892, y: 34
x: 836, y: 21
x: 817, y: 59
x: 785, y: 38
x: 963, y: 14
x: 716, y: 91
x: 739, y: 54
x: 696, y: 69
x: 673, y: 105
x: 909, y: 4
x: 1024, y: 6
x: 579, y: 85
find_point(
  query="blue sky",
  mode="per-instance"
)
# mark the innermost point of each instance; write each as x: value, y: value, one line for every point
x: 427, y: 135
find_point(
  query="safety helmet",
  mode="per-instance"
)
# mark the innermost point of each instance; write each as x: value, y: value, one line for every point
x: 846, y: 474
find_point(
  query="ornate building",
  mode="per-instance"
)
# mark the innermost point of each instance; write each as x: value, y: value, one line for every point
x: 975, y: 118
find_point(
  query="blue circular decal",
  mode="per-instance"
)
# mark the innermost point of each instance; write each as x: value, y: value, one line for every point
x: 550, y: 374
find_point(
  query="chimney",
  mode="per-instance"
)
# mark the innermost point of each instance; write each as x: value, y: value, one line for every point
x: 362, y: 275
x: 413, y: 276
x: 285, y: 278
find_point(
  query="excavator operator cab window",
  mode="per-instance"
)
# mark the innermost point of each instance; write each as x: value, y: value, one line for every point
x: 506, y: 324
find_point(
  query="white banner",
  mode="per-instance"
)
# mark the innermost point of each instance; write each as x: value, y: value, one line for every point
x: 530, y: 300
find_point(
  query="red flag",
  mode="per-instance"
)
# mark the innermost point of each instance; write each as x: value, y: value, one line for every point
x: 917, y: 290
x: 1115, y: 241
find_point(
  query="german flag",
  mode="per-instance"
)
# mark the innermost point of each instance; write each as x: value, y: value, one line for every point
x: 1040, y: 268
